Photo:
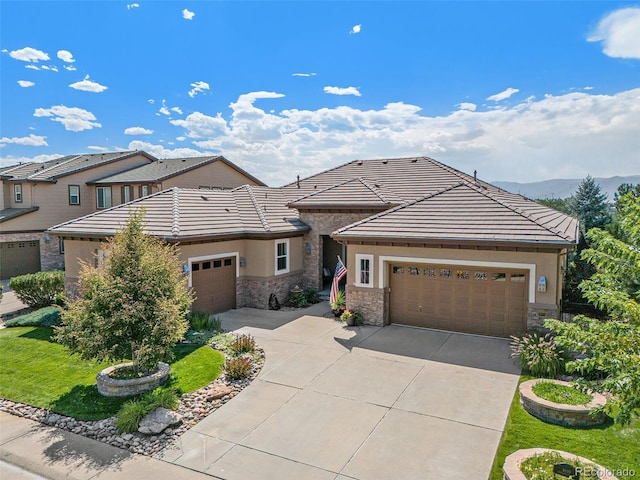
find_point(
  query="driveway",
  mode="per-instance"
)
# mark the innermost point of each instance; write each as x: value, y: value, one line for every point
x: 360, y: 402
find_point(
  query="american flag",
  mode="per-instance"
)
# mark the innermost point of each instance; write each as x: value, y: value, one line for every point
x: 341, y: 271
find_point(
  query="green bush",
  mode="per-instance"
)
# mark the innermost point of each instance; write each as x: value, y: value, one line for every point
x: 44, y: 317
x: 238, y: 368
x: 131, y: 412
x: 298, y: 300
x: 311, y: 294
x: 244, y: 343
x: 201, y: 321
x: 539, y: 354
x: 38, y: 289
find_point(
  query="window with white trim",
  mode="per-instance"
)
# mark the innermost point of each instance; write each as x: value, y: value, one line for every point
x: 364, y: 270
x: 144, y: 190
x: 282, y: 256
x: 74, y: 194
x: 127, y: 193
x: 17, y: 193
x: 61, y: 245
x: 103, y: 197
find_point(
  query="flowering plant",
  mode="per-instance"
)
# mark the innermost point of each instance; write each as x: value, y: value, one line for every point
x: 351, y: 315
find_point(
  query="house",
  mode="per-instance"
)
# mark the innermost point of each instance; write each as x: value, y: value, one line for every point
x: 35, y: 196
x: 424, y: 244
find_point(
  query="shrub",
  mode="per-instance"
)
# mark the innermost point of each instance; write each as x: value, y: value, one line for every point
x: 311, y: 294
x: 38, y: 289
x: 131, y: 412
x: 244, y: 343
x: 338, y: 306
x: 298, y: 300
x: 238, y: 368
x: 539, y: 354
x: 352, y: 314
x: 44, y: 317
x: 201, y: 321
x: 222, y: 342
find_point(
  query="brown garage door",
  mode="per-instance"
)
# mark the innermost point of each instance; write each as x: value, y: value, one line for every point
x: 463, y: 299
x: 214, y: 283
x: 19, y: 258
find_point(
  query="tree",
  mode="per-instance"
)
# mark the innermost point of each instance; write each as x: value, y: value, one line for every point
x: 589, y: 205
x: 561, y: 204
x: 612, y: 347
x: 135, y: 304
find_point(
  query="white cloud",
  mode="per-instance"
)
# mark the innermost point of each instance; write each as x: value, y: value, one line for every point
x: 160, y: 151
x: 137, y: 131
x: 198, y: 87
x: 66, y: 56
x: 312, y: 74
x: 29, y: 54
x: 13, y: 160
x: 619, y: 32
x: 178, y: 110
x: 503, y: 95
x: 132, y: 5
x: 98, y: 148
x: 151, y: 101
x: 73, y: 118
x: 87, y: 85
x: 53, y: 68
x: 32, y: 67
x: 356, y: 29
x: 342, y: 91
x: 25, y: 83
x: 32, y: 141
x: 181, y: 139
x: 588, y: 88
x: 187, y: 15
x: 71, y: 68
x: 467, y: 106
x: 164, y: 110
x: 564, y: 136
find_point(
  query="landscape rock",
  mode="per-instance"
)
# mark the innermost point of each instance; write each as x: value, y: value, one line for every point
x: 219, y: 391
x: 158, y: 421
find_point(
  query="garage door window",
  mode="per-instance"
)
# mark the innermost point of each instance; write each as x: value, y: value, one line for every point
x: 429, y: 272
x: 445, y: 273
x: 282, y: 257
x: 480, y: 275
x: 518, y: 277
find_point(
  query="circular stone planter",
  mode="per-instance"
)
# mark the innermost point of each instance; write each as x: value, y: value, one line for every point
x: 117, y: 387
x: 560, y: 413
x: 511, y: 468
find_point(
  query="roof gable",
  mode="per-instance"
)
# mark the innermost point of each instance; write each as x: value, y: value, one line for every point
x: 354, y: 193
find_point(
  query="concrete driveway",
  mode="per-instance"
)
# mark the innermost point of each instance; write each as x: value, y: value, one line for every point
x: 360, y: 402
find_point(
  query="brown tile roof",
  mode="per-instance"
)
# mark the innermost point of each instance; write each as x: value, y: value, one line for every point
x: 50, y: 170
x: 354, y: 193
x: 9, y: 213
x: 467, y: 212
x: 183, y: 214
x: 163, y: 169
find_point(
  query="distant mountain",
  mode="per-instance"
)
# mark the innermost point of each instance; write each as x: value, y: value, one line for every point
x: 564, y: 188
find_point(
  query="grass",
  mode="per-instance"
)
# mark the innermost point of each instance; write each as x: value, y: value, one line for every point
x: 46, y: 317
x: 561, y: 393
x: 36, y: 371
x: 612, y: 446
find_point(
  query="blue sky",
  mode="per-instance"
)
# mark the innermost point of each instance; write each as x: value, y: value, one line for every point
x: 519, y: 91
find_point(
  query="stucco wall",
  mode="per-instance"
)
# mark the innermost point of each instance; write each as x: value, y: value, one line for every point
x: 214, y: 175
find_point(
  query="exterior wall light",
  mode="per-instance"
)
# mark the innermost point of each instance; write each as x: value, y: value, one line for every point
x: 307, y: 248
x: 185, y: 269
x: 243, y: 262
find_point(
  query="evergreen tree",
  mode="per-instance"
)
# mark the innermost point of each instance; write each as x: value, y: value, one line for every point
x: 590, y: 206
x: 135, y: 304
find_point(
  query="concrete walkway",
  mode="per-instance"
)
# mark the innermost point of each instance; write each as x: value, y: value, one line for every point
x: 330, y: 403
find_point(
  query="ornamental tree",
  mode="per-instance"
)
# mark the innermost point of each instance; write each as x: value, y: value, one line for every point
x: 611, y: 347
x: 134, y: 305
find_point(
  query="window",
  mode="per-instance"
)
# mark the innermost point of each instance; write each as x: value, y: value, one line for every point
x: 61, y: 244
x: 195, y: 267
x: 217, y: 263
x: 429, y: 272
x: 127, y: 194
x: 398, y: 270
x: 480, y: 275
x: 103, y: 197
x: 364, y: 270
x: 144, y: 190
x: 74, y: 194
x: 282, y: 256
x: 518, y: 277
x: 445, y: 273
x: 17, y: 193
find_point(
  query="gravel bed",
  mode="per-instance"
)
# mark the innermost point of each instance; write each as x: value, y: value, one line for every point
x: 193, y: 407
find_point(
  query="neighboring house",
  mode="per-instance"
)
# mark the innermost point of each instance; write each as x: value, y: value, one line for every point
x: 36, y: 196
x: 424, y: 244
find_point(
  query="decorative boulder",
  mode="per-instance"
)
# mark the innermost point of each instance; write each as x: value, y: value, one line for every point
x: 159, y: 420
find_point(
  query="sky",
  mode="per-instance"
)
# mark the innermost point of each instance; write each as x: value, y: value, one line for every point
x: 518, y: 91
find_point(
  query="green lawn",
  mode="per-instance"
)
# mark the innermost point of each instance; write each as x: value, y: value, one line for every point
x: 612, y: 446
x: 36, y: 371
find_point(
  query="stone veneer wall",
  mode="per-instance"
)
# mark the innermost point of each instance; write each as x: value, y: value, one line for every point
x: 537, y: 313
x: 371, y: 302
x: 322, y: 224
x: 50, y: 256
x: 254, y: 292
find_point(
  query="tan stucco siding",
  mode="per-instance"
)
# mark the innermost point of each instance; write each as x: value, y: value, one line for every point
x: 214, y: 175
x: 539, y: 263
x: 53, y: 198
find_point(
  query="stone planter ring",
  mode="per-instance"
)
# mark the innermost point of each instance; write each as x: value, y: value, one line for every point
x: 118, y: 387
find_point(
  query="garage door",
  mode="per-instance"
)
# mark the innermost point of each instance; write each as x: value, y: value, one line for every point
x: 458, y: 298
x: 19, y: 258
x: 214, y: 283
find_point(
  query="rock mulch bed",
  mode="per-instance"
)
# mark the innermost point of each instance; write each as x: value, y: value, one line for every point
x: 193, y: 408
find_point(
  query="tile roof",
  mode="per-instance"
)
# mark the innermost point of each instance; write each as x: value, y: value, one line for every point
x: 9, y: 213
x: 50, y: 170
x: 182, y: 214
x: 408, y: 178
x: 354, y: 193
x: 468, y: 212
x: 163, y: 169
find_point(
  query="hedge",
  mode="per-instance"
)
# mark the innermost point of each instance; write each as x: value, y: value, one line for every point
x: 38, y: 289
